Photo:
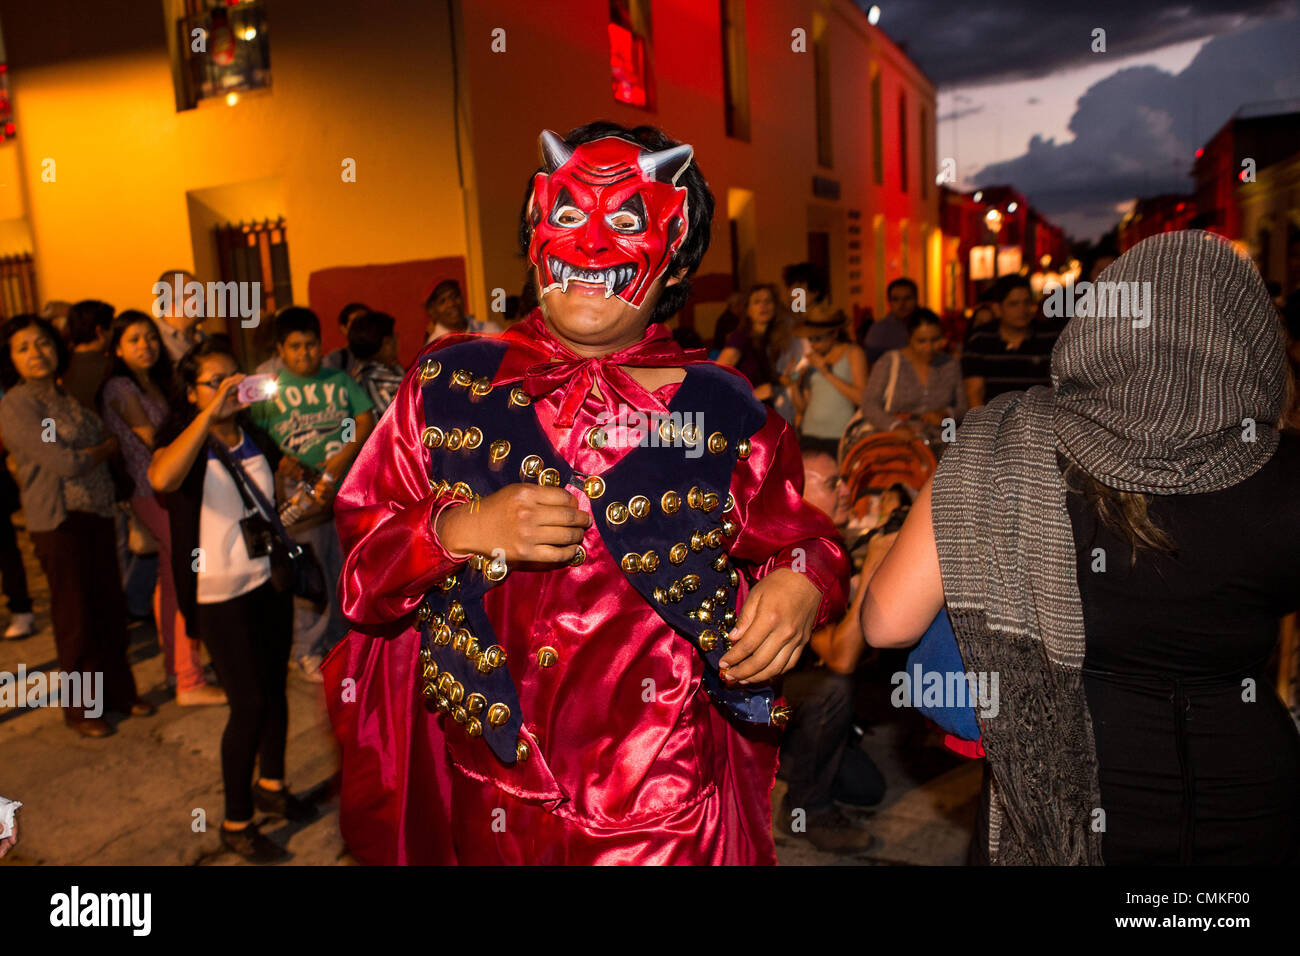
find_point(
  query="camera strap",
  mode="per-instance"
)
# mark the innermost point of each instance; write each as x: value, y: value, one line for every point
x: 251, y: 494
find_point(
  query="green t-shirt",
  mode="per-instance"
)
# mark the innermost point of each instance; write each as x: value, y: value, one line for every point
x: 307, y: 415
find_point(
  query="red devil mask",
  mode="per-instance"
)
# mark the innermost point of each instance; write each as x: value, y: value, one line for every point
x: 608, y: 213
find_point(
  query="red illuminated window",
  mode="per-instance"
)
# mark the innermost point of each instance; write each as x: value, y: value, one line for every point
x: 629, y: 34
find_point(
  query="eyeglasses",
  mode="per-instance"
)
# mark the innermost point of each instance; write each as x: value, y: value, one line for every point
x: 214, y: 383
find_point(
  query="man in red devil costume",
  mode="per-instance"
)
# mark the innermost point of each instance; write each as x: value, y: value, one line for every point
x: 577, y: 558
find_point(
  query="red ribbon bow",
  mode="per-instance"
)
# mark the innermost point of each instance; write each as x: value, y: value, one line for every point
x: 547, y: 364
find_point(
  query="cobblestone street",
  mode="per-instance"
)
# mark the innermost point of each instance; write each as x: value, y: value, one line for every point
x: 151, y: 793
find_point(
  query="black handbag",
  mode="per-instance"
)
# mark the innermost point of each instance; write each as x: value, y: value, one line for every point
x: 294, y: 565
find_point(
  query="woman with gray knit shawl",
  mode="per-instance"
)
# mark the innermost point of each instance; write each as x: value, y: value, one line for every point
x: 1118, y: 549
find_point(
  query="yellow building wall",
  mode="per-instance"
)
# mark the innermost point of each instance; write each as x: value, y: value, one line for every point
x: 93, y: 91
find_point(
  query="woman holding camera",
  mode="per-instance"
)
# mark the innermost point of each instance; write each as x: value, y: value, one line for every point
x: 221, y: 563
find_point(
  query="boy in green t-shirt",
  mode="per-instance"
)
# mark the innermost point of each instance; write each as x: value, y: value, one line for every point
x: 320, y: 417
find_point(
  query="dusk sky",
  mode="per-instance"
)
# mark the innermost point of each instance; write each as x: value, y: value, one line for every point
x: 1023, y: 99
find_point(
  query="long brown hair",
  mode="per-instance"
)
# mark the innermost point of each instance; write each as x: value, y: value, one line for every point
x: 1125, y: 513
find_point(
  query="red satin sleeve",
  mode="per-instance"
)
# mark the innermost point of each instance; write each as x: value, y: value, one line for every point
x: 384, y: 514
x: 778, y: 529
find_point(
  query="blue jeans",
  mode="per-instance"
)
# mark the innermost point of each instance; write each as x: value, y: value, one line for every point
x: 316, y: 632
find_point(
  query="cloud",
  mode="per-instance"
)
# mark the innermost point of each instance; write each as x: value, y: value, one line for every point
x: 958, y: 114
x: 1136, y: 131
x: 1023, y: 39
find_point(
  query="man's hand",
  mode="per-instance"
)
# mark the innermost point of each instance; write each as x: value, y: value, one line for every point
x: 775, y: 624
x: 527, y: 522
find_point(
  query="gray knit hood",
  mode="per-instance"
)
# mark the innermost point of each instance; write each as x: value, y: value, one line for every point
x: 1182, y: 400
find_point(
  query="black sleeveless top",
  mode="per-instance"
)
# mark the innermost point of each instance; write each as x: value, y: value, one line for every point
x: 1199, y: 761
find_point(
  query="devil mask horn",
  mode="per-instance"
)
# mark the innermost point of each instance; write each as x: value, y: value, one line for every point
x: 666, y: 165
x: 555, y: 152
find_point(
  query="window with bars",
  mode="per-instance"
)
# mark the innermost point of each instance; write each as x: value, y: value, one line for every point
x: 17, y: 285
x: 256, y: 252
x: 629, y: 52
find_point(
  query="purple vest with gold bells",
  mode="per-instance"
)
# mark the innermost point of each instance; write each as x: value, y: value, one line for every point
x: 662, y: 512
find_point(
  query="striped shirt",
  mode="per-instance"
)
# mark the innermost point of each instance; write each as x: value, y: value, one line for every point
x: 1004, y: 369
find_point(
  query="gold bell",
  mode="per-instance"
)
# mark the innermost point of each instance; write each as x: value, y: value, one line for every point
x: 456, y: 613
x: 432, y: 437
x: 616, y: 513
x: 462, y: 377
x: 462, y: 489
x: 430, y: 671
x: 549, y: 478
x: 496, y: 569
x: 498, y: 451
x: 677, y: 554
x: 456, y: 692
x: 475, y: 703
x: 597, y: 437
x: 714, y: 538
x: 442, y: 636
x: 482, y: 386
x: 530, y: 467
x: 710, y: 501
x: 519, y: 398
x: 720, y: 562
x: 720, y: 595
x: 691, y: 582
x: 459, y: 714
x: 733, y: 577
x: 691, y: 434
x: 631, y: 562
x: 429, y: 370
x: 429, y: 691
x: 650, y: 562
x: 708, y: 640
x: 449, y: 583
x: 717, y: 443
x: 460, y: 640
x: 547, y: 657
x: 695, y: 497
x: 728, y: 504
x: 455, y: 438
x: 729, y: 620
x: 697, y: 540
x: 660, y: 595
x: 473, y: 438
x: 426, y: 655
x: 424, y: 612
x: 444, y: 705
x: 742, y: 448
x: 705, y: 615
x: 671, y: 502
x: 471, y: 649
x: 474, y: 727
x: 498, y: 715
x: 639, y: 506
x: 521, y: 751
x: 674, y: 592
x: 594, y: 486
x: 729, y: 527
x: 668, y: 431
x: 781, y: 715
x: 494, y: 655
x: 579, y: 556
